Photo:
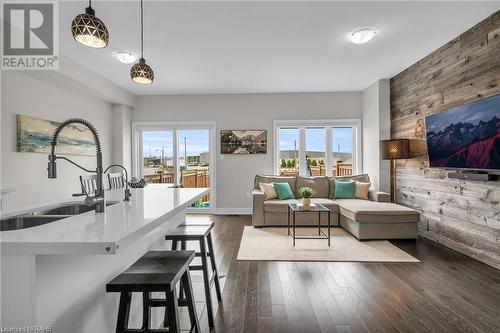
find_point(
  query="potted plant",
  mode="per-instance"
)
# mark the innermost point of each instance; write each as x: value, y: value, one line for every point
x: 306, y: 193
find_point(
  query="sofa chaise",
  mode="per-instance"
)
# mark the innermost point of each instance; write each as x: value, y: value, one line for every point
x: 376, y: 218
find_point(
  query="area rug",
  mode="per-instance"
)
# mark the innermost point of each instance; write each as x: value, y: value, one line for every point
x: 273, y: 244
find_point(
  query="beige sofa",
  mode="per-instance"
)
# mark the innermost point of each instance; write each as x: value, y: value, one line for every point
x: 376, y: 218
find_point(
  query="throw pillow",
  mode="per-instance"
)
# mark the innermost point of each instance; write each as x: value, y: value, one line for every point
x: 283, y: 190
x: 269, y: 191
x: 362, y: 189
x: 344, y: 190
x: 319, y: 183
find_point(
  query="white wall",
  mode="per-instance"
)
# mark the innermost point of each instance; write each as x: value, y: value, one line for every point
x: 235, y: 173
x: 376, y: 126
x: 122, y: 136
x: 40, y: 95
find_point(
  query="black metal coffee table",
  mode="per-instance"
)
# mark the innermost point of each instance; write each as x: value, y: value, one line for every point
x: 316, y: 209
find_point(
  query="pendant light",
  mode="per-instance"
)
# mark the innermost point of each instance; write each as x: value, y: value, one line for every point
x: 89, y: 30
x: 141, y: 72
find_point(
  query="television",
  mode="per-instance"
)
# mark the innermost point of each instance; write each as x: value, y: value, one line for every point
x: 465, y: 136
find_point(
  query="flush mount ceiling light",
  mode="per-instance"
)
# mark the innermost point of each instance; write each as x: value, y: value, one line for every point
x: 89, y: 30
x: 125, y: 57
x: 362, y: 36
x: 141, y: 72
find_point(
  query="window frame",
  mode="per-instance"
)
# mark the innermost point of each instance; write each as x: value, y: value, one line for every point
x: 328, y: 124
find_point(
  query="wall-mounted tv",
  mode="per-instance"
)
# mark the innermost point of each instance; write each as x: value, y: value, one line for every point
x: 465, y: 136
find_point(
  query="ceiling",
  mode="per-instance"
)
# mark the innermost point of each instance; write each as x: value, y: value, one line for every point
x: 247, y: 47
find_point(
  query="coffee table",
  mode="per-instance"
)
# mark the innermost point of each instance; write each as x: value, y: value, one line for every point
x: 317, y: 209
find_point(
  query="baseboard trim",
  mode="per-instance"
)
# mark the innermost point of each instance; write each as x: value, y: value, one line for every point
x: 233, y: 211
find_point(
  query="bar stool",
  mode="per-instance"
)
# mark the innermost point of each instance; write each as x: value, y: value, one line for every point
x: 200, y: 233
x: 156, y: 271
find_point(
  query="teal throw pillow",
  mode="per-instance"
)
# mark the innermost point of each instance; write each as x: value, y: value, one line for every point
x: 344, y: 190
x: 283, y: 190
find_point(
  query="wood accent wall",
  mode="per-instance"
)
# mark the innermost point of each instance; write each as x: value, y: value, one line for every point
x: 464, y: 215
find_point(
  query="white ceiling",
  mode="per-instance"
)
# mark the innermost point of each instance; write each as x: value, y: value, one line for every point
x: 246, y: 47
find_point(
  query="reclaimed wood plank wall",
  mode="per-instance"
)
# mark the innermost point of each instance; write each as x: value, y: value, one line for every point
x: 463, y: 215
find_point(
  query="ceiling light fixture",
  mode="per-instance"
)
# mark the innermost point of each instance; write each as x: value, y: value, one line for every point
x: 362, y: 36
x: 125, y: 57
x: 89, y: 30
x: 141, y: 72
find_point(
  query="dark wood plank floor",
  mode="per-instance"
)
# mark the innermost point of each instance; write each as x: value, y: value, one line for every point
x: 445, y: 292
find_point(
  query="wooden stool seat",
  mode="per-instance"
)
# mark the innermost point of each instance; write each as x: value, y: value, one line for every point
x: 156, y: 271
x: 189, y: 232
x: 201, y: 234
x: 198, y: 223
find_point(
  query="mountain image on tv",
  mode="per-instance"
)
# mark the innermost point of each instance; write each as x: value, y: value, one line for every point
x: 466, y: 136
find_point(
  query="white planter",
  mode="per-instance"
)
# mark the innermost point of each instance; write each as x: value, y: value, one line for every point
x: 306, y: 202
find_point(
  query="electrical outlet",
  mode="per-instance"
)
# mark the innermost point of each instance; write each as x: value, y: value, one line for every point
x: 249, y: 195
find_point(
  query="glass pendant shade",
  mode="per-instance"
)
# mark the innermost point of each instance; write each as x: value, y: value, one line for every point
x: 142, y: 73
x: 89, y: 30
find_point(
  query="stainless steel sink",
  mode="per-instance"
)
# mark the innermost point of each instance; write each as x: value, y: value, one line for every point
x: 27, y: 221
x: 70, y: 209
x: 41, y: 217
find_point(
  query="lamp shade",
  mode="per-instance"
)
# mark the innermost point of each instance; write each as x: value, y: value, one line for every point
x: 142, y: 73
x: 89, y: 30
x: 395, y: 149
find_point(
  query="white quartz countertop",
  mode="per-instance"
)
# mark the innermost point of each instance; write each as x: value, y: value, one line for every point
x: 103, y: 233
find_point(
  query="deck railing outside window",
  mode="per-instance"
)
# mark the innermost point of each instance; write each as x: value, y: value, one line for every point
x: 340, y: 169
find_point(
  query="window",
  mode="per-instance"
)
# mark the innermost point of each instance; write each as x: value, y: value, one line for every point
x: 342, y: 147
x: 157, y: 156
x: 178, y: 154
x: 318, y: 148
x: 288, y: 151
x: 316, y: 151
x: 194, y: 161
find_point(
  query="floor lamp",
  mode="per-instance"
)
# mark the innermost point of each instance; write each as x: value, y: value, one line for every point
x: 394, y: 149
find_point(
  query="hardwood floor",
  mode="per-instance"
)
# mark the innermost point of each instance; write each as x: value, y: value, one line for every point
x: 445, y: 292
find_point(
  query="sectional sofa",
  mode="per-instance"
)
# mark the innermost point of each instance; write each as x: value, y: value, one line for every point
x: 376, y: 218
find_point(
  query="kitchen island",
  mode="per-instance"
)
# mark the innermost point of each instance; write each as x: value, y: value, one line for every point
x: 54, y: 275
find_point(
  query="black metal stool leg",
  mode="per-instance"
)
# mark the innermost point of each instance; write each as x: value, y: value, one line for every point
x: 206, y: 281
x: 146, y: 310
x: 174, y: 245
x: 123, y: 312
x: 165, y: 315
x: 214, y: 266
x: 181, y: 289
x: 172, y: 312
x: 188, y: 289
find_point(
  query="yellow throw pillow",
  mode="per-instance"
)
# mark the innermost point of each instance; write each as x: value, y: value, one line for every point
x: 269, y: 191
x: 361, y: 191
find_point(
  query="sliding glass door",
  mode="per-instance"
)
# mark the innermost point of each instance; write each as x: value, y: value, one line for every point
x: 318, y: 148
x: 177, y: 154
x: 157, y: 156
x: 194, y: 161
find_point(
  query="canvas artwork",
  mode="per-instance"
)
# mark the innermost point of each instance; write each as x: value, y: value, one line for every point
x: 243, y: 141
x: 466, y: 136
x: 34, y: 136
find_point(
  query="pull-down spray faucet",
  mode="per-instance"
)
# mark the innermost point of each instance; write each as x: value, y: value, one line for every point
x: 98, y: 198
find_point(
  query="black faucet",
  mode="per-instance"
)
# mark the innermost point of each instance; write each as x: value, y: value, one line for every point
x: 98, y: 198
x: 128, y: 194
